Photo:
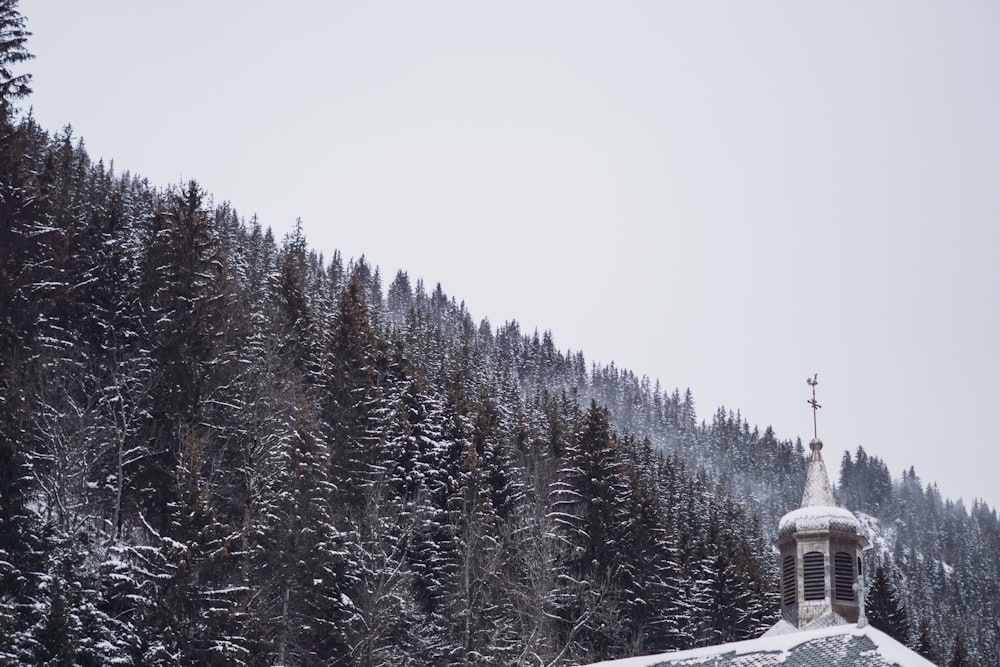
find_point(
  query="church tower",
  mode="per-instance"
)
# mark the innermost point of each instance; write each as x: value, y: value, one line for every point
x: 819, y: 550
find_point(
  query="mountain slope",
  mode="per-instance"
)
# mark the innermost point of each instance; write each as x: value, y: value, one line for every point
x: 221, y: 449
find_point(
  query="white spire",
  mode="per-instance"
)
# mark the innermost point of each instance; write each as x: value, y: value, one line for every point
x: 818, y: 491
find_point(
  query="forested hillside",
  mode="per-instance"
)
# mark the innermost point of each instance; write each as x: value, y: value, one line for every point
x: 222, y: 449
x: 218, y: 447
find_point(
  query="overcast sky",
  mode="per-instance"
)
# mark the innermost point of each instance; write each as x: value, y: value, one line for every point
x: 726, y: 196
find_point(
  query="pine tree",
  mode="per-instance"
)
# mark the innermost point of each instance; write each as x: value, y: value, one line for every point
x: 960, y: 654
x: 730, y: 593
x: 309, y: 569
x: 186, y: 294
x: 351, y: 393
x: 389, y: 618
x: 297, y: 315
x: 846, y: 493
x: 485, y: 629
x: 588, y: 503
x: 72, y: 629
x: 657, y: 608
x: 399, y: 298
x: 25, y: 544
x: 419, y: 483
x: 884, y: 609
x: 925, y: 644
x: 187, y: 616
x: 720, y: 601
x: 13, y: 37
x: 25, y: 264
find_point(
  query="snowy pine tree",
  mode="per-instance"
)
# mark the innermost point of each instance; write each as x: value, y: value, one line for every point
x: 884, y: 609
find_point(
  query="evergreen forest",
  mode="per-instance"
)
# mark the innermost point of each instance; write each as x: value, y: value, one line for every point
x: 218, y: 447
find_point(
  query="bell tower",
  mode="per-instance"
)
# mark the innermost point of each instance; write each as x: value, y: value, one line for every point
x: 819, y: 550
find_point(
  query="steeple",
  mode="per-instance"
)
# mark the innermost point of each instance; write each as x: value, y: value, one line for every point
x: 818, y: 492
x: 819, y: 549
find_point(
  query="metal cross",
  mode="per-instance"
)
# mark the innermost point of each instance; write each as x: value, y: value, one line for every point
x: 861, y: 591
x: 813, y: 381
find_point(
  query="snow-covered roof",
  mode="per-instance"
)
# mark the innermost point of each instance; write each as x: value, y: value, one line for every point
x: 818, y: 517
x: 818, y: 510
x: 838, y: 646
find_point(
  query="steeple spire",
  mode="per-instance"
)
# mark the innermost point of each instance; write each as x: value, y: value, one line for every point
x: 818, y: 491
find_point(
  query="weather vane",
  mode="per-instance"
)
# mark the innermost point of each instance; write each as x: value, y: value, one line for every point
x: 813, y: 381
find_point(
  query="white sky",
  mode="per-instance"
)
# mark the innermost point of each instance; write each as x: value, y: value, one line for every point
x: 727, y: 196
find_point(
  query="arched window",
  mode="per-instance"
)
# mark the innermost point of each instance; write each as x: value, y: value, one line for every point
x: 843, y: 576
x: 813, y: 576
x: 788, y: 580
